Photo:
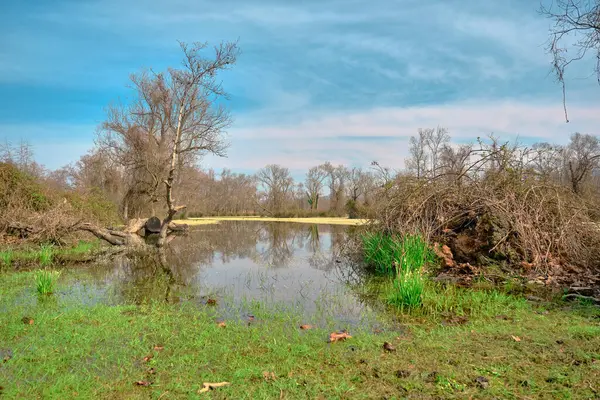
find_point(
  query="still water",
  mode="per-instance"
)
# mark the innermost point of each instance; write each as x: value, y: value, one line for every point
x: 236, y: 263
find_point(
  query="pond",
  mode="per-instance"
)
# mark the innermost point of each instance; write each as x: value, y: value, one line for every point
x: 235, y: 264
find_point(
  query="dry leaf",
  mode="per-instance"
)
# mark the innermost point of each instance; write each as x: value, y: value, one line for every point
x: 269, y: 376
x: 159, y: 348
x: 222, y: 324
x: 148, y: 358
x: 211, y: 302
x: 387, y: 346
x: 27, y: 320
x: 151, y: 371
x: 339, y: 336
x: 306, y: 327
x: 143, y: 383
x: 210, y: 386
x: 250, y: 318
x: 516, y: 338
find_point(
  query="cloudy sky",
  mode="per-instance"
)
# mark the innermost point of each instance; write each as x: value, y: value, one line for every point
x: 346, y: 81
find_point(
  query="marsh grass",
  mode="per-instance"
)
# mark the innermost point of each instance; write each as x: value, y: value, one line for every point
x: 46, y: 254
x: 390, y: 253
x: 407, y: 290
x: 6, y: 257
x: 556, y: 357
x: 45, y: 281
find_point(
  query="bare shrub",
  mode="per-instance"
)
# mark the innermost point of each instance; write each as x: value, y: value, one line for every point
x: 494, y: 209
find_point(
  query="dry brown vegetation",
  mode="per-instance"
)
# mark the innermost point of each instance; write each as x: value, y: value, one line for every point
x: 32, y: 209
x: 498, y: 207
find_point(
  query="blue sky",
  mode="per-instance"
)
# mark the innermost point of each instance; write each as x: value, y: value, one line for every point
x: 346, y: 81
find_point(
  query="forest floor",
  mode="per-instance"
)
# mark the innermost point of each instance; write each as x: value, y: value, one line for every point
x: 513, y: 349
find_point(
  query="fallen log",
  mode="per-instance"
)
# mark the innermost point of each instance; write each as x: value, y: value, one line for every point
x: 116, y: 238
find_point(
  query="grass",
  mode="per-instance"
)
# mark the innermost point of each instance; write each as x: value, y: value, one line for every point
x: 45, y: 281
x: 100, y: 351
x: 46, y: 254
x: 312, y: 220
x: 407, y: 290
x: 389, y: 253
x: 6, y: 257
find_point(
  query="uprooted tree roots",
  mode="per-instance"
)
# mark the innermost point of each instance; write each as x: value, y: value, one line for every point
x: 520, y: 223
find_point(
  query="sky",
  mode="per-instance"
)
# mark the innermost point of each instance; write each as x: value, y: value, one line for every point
x: 317, y: 80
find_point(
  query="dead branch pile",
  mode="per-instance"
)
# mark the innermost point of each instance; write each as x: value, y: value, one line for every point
x: 514, y: 220
x: 32, y: 210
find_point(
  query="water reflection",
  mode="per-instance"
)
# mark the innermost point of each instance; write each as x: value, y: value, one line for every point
x: 301, y: 265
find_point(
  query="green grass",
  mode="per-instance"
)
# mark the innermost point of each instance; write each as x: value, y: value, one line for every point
x: 98, y: 352
x: 46, y: 254
x: 385, y: 253
x: 6, y: 257
x: 407, y: 290
x: 45, y: 281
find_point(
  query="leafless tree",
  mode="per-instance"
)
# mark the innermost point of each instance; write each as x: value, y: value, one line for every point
x: 174, y: 119
x: 454, y: 161
x: 576, y: 24
x: 314, y: 185
x: 417, y: 160
x: 582, y: 156
x: 547, y: 160
x: 278, y: 184
x: 436, y: 139
x: 357, y: 183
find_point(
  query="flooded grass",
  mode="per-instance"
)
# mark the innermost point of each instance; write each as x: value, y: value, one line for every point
x: 101, y: 351
x: 230, y: 310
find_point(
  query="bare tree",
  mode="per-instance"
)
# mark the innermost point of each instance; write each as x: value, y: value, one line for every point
x: 278, y: 184
x: 546, y: 160
x: 336, y: 177
x: 582, y: 156
x: 314, y: 185
x: 417, y: 160
x: 357, y: 183
x: 576, y: 24
x: 454, y: 161
x: 436, y: 139
x: 174, y: 119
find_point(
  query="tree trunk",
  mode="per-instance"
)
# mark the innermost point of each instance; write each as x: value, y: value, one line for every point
x: 162, y: 236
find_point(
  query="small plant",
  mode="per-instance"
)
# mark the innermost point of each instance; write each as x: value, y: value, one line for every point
x: 6, y: 257
x: 408, y: 289
x: 45, y: 281
x: 46, y: 254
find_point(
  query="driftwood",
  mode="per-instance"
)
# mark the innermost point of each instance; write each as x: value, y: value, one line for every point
x: 132, y: 234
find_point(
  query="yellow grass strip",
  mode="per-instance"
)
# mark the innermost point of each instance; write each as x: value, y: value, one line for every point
x: 313, y: 220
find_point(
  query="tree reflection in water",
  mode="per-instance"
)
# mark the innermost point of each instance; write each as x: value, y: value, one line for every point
x: 294, y: 263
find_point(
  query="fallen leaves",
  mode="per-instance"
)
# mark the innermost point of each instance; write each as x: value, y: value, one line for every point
x: 515, y: 338
x: 143, y: 383
x: 269, y: 376
x: 211, y: 302
x: 27, y: 320
x: 338, y: 336
x: 206, y: 386
x: 148, y: 358
x: 221, y: 324
x: 482, y: 382
x: 159, y: 348
x: 387, y: 346
x: 306, y: 327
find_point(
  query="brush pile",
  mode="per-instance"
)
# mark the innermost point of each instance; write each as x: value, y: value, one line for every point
x: 501, y: 218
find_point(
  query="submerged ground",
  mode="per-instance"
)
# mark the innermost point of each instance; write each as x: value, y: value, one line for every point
x: 230, y: 309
